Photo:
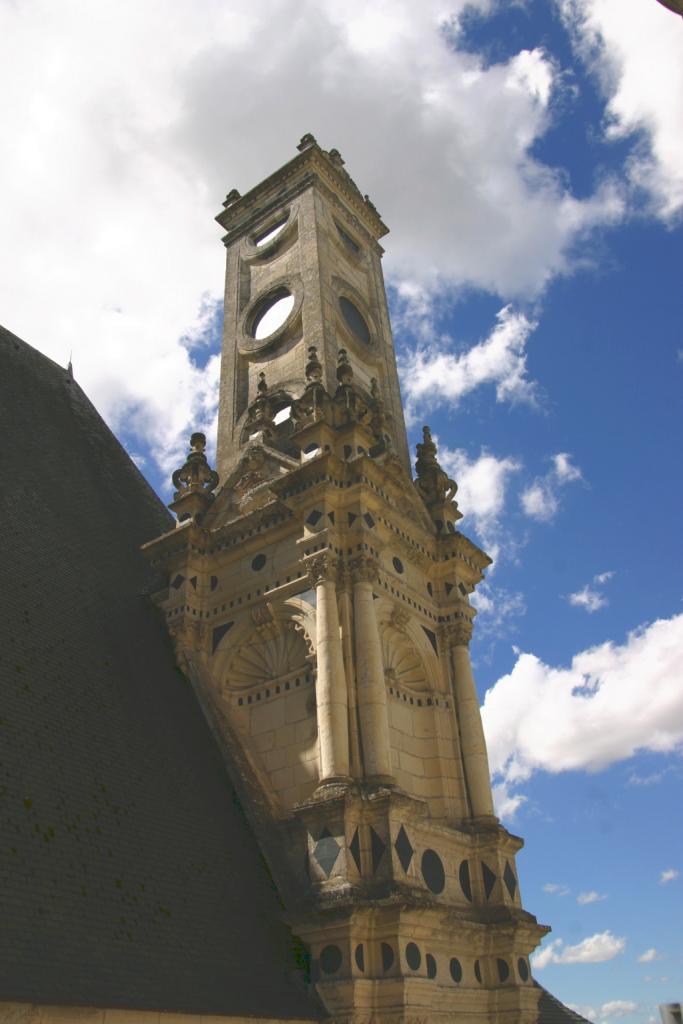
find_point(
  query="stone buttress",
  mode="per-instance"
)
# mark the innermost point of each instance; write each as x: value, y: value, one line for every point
x: 318, y: 600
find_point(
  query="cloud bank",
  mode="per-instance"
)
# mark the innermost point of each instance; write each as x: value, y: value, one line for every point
x: 130, y: 122
x: 613, y: 700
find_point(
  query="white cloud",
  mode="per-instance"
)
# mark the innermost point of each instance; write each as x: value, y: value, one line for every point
x: 590, y: 897
x: 540, y: 500
x: 610, y: 702
x: 617, y: 1008
x: 553, y: 887
x: 506, y: 804
x: 130, y: 145
x: 670, y: 875
x: 636, y: 50
x: 431, y: 376
x: 648, y: 956
x: 482, y: 491
x: 595, y: 949
x: 588, y: 597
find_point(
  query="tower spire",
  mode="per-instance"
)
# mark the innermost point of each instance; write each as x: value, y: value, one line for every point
x: 321, y: 606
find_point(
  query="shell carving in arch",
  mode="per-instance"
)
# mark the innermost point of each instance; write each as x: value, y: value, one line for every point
x: 403, y: 666
x: 277, y: 654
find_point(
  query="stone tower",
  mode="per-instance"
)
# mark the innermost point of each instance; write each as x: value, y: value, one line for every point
x: 319, y: 605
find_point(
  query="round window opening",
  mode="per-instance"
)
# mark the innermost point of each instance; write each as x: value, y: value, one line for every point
x: 354, y: 320
x: 272, y: 313
x: 270, y: 234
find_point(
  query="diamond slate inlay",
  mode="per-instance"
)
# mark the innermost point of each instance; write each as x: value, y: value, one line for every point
x: 489, y: 879
x: 510, y: 880
x: 377, y: 848
x: 403, y: 848
x: 326, y: 851
x: 354, y: 847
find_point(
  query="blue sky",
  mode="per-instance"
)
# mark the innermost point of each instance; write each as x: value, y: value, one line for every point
x: 528, y: 158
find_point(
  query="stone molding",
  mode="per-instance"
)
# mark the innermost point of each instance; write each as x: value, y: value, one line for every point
x: 364, y: 569
x: 457, y: 634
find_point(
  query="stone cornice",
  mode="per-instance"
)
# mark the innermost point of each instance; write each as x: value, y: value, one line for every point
x: 293, y: 177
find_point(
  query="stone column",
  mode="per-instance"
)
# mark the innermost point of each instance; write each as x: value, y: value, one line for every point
x: 330, y: 690
x: 373, y: 712
x: 472, y: 742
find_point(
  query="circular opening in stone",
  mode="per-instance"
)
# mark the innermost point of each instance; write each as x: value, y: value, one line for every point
x: 330, y: 959
x: 433, y: 871
x: 398, y: 565
x: 431, y: 965
x: 477, y: 971
x: 503, y: 969
x: 270, y: 233
x: 354, y: 319
x: 456, y: 970
x: 360, y: 957
x: 413, y: 956
x: 258, y: 562
x: 272, y: 313
x: 523, y: 969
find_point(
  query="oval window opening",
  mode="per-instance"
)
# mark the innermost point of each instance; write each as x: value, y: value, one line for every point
x: 354, y: 319
x: 273, y: 314
x: 270, y: 234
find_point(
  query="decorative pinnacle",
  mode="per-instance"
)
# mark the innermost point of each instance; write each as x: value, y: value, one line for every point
x: 306, y: 141
x: 314, y: 370
x: 336, y: 158
x: 194, y: 481
x: 344, y: 370
x: 432, y: 482
x: 232, y: 197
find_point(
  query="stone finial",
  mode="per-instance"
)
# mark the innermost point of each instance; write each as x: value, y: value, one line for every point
x: 306, y: 141
x: 433, y: 484
x: 336, y: 157
x: 260, y: 412
x: 344, y: 368
x: 314, y: 370
x: 195, y: 482
x: 232, y: 197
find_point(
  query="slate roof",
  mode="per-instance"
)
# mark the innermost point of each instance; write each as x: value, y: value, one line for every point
x: 552, y: 1011
x: 129, y: 876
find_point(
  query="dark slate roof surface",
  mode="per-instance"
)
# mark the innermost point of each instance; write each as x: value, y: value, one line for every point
x: 552, y: 1011
x: 128, y: 874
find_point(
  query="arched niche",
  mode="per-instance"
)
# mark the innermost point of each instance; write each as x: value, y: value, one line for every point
x: 265, y: 671
x: 412, y: 675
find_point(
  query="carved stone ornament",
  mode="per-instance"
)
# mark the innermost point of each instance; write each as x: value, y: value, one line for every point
x: 432, y: 482
x: 253, y: 467
x: 195, y: 482
x: 458, y: 633
x: 322, y: 568
x: 260, y: 412
x: 364, y: 569
x: 186, y: 635
x: 399, y: 619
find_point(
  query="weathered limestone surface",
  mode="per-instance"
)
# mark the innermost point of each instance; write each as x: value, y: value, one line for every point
x: 319, y: 604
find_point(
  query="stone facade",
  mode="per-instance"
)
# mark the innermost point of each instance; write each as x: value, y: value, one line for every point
x: 319, y: 604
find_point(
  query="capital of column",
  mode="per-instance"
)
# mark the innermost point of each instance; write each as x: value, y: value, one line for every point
x: 458, y: 633
x: 322, y: 568
x: 363, y: 569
